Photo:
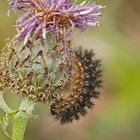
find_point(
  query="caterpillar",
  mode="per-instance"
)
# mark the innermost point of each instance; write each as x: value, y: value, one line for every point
x: 78, y: 99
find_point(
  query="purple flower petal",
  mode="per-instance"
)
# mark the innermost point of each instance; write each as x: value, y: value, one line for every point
x: 42, y: 16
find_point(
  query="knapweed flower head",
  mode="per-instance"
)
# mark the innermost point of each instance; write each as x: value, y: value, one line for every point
x: 48, y: 79
x: 39, y: 17
x: 41, y: 64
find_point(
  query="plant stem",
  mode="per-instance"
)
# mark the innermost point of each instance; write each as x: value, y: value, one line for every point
x: 21, y: 119
x: 3, y: 104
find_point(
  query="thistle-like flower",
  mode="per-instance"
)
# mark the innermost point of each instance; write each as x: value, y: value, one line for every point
x: 38, y: 17
x: 41, y: 64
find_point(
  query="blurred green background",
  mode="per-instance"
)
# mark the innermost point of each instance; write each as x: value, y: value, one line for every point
x: 116, y: 115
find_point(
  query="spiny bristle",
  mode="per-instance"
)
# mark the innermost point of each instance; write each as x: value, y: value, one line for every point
x: 67, y: 111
